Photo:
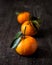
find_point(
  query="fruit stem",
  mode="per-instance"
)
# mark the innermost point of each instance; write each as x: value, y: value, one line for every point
x: 24, y: 31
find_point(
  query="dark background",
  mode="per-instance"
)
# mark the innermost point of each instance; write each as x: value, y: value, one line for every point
x: 9, y: 27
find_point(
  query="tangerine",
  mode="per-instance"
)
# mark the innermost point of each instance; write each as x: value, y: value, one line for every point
x: 23, y: 16
x: 30, y: 29
x: 27, y: 46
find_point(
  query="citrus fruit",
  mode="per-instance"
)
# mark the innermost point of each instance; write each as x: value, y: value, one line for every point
x: 23, y: 16
x: 30, y: 29
x: 27, y: 46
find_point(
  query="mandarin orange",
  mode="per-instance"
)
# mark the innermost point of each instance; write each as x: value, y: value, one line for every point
x: 23, y: 16
x: 30, y: 29
x: 27, y: 46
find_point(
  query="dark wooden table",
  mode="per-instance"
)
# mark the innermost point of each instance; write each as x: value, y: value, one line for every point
x: 9, y: 27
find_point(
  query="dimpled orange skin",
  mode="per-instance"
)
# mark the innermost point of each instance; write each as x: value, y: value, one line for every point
x: 24, y: 16
x: 27, y: 46
x: 30, y: 30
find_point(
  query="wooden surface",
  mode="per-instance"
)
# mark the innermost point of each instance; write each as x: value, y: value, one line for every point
x: 9, y: 27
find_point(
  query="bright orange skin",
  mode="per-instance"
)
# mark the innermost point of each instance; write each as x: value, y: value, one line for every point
x: 24, y: 16
x: 27, y: 46
x: 30, y: 29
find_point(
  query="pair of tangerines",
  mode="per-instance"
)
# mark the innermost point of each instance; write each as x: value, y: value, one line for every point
x: 24, y: 43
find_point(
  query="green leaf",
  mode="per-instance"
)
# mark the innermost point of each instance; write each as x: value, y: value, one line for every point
x: 15, y: 42
x: 39, y: 21
x: 35, y: 22
x: 19, y: 34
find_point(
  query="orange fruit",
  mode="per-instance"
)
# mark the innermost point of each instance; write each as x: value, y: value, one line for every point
x: 23, y: 16
x: 30, y: 29
x: 27, y: 46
